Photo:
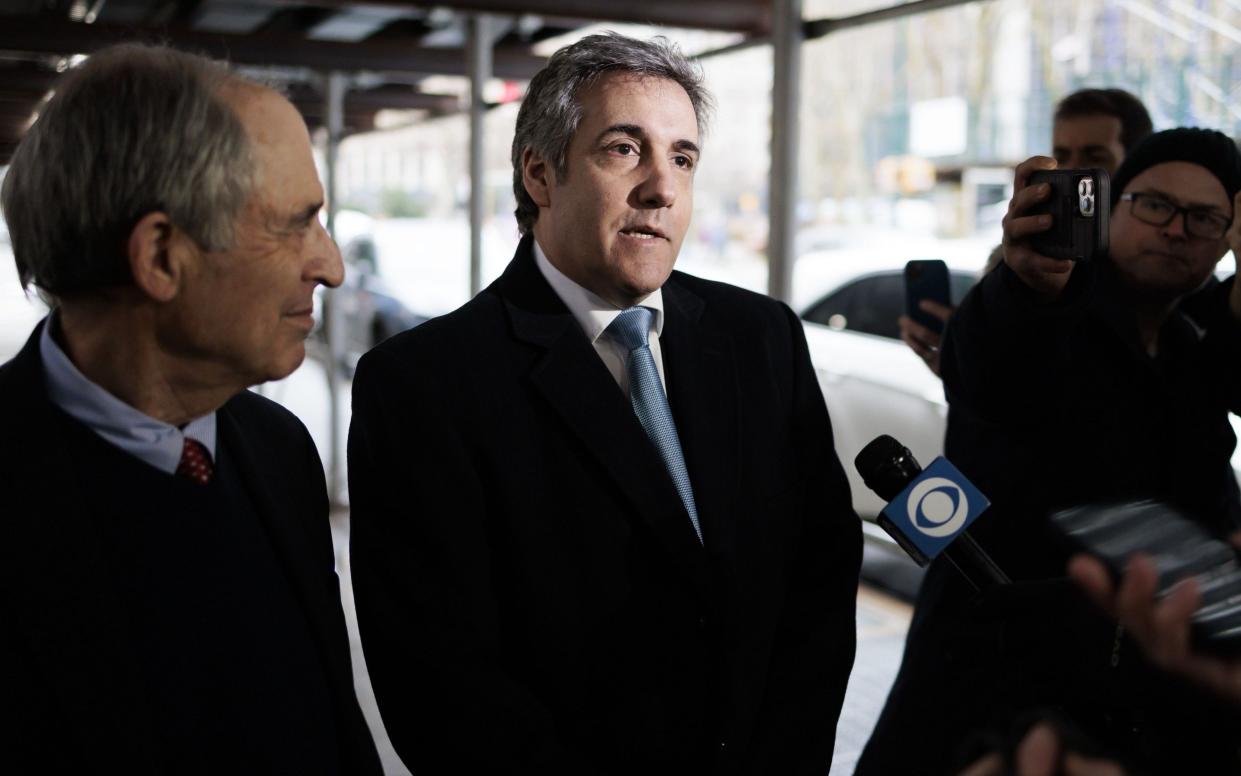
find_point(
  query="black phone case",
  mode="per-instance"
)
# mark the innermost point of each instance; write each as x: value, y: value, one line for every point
x: 926, y: 279
x: 1080, y: 207
x: 1181, y: 549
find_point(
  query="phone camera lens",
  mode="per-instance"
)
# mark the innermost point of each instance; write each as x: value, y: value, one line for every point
x: 1085, y: 197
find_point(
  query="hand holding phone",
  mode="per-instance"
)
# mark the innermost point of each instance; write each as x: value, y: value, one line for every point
x: 1045, y: 275
x: 928, y: 304
x: 927, y: 279
x: 1079, y: 203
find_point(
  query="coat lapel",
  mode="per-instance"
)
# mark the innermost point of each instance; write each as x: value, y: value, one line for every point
x: 579, y: 389
x: 702, y: 391
x: 58, y: 583
x: 293, y: 548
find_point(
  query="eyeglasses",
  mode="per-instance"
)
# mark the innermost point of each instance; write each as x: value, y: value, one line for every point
x: 1157, y: 211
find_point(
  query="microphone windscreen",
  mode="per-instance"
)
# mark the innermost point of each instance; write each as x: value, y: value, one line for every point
x: 886, y: 466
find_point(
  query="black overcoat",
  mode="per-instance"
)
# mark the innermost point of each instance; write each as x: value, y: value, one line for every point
x: 531, y: 594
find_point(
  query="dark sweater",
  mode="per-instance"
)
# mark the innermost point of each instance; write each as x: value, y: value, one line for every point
x: 232, y: 674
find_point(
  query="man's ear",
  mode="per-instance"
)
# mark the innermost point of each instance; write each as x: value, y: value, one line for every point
x: 537, y: 176
x: 155, y: 259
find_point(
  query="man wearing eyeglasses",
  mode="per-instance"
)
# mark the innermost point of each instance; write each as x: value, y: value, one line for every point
x: 1070, y: 384
x: 1091, y: 128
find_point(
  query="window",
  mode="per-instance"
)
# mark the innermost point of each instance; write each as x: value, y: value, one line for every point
x: 871, y: 304
x: 959, y: 284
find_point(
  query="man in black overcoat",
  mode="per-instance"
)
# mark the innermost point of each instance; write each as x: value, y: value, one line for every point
x: 598, y: 525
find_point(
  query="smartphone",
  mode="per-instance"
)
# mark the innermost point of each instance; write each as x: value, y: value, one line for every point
x: 926, y: 279
x: 1180, y: 548
x: 1080, y: 205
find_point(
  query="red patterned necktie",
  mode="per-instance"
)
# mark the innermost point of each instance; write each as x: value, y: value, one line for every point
x: 195, y: 462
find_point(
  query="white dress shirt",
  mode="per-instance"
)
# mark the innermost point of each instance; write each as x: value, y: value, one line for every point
x: 149, y: 440
x: 594, y: 315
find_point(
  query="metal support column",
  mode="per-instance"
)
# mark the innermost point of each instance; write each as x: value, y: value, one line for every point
x: 479, y: 68
x: 335, y: 109
x: 786, y: 36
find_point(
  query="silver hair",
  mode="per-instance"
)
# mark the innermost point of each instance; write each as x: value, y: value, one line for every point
x: 550, y: 112
x: 134, y: 130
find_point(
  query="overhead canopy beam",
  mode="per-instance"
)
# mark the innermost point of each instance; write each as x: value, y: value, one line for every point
x: 752, y: 16
x: 381, y: 98
x: 12, y: 126
x: 17, y: 81
x: 44, y: 35
x: 14, y: 109
x: 354, y: 123
x: 820, y: 27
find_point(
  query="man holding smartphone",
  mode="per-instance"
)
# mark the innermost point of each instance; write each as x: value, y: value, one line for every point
x: 1069, y: 384
x: 1092, y: 128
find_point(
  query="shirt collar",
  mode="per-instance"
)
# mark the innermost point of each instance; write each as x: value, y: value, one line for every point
x: 153, y: 441
x: 592, y: 312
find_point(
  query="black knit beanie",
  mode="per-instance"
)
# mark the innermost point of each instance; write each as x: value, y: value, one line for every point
x: 1213, y: 150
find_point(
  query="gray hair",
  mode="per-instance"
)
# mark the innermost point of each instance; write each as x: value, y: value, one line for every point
x: 133, y: 130
x: 550, y: 112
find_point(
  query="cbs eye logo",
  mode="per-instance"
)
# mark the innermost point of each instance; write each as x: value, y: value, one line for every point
x: 937, y: 507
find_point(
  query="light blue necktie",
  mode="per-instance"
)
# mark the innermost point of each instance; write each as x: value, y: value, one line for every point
x: 631, y: 328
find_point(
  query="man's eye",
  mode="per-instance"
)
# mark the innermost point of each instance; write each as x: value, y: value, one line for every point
x: 624, y: 149
x: 1208, y: 218
x: 684, y: 162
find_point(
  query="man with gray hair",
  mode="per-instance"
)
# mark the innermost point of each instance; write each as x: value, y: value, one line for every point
x: 169, y: 604
x: 598, y: 525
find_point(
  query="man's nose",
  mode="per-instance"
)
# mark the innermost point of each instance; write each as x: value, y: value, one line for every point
x: 325, y: 266
x: 658, y: 187
x: 1176, y: 227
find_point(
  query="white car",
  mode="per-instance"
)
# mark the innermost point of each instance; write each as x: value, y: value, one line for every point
x: 873, y: 384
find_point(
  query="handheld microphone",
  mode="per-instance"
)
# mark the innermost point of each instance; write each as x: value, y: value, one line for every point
x: 928, y: 510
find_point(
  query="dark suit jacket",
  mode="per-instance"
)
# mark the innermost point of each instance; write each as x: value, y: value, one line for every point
x: 69, y: 680
x: 531, y: 594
